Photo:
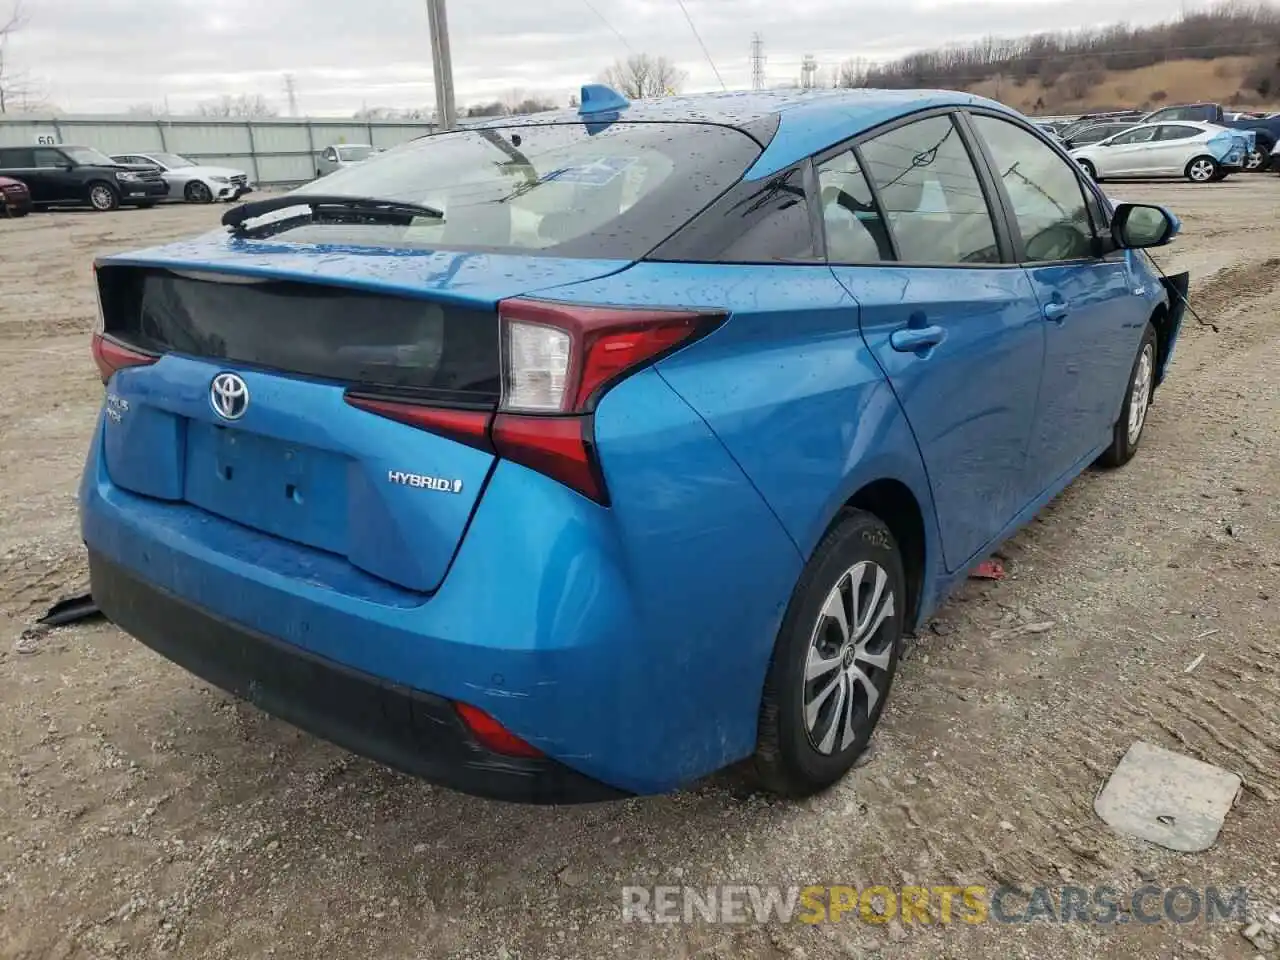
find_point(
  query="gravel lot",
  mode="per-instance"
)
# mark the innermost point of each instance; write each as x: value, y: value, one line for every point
x: 143, y: 813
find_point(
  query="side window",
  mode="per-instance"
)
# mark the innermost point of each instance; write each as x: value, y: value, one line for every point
x: 855, y: 231
x: 931, y: 194
x: 17, y: 159
x: 50, y: 158
x: 1175, y: 132
x: 1045, y: 191
x: 756, y: 222
x: 1137, y: 135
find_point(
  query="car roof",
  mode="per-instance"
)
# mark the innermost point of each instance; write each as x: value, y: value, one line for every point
x: 809, y: 120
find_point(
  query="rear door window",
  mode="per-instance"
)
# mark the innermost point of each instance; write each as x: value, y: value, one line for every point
x: 566, y: 190
x: 931, y: 194
x: 1173, y: 131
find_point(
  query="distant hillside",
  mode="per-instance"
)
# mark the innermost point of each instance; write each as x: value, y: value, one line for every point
x: 1229, y: 54
x: 1176, y: 81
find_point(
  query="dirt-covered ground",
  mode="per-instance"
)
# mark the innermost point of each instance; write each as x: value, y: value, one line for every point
x: 143, y: 813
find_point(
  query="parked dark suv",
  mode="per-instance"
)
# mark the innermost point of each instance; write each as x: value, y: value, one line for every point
x: 76, y: 176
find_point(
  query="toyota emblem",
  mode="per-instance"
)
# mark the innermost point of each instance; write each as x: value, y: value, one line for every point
x: 229, y: 396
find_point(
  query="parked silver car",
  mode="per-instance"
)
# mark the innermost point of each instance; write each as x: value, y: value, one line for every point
x: 339, y: 156
x: 191, y: 181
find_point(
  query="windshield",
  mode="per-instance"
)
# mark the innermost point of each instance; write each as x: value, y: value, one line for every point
x: 87, y: 156
x: 354, y: 153
x: 557, y: 189
x: 172, y: 160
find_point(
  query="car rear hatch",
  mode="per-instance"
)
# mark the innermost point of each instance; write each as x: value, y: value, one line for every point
x: 286, y: 445
x: 333, y: 376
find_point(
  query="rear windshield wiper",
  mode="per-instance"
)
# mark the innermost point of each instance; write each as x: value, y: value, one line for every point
x: 393, y: 210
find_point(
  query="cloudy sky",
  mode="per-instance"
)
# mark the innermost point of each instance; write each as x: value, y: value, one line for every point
x: 106, y: 55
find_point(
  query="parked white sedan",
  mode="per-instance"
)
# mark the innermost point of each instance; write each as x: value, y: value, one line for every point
x: 1201, y: 152
x: 339, y: 156
x: 191, y: 181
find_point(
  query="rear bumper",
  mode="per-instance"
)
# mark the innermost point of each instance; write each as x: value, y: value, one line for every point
x: 415, y: 732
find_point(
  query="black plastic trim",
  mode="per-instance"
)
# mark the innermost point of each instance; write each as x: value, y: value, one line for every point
x: 413, y: 731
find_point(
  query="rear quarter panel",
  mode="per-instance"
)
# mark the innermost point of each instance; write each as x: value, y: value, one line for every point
x: 787, y: 384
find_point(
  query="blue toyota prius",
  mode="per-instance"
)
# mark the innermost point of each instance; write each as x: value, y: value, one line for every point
x: 580, y: 455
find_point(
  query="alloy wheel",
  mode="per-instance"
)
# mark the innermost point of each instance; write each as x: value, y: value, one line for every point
x: 849, y: 656
x: 1202, y: 171
x: 1140, y: 397
x: 101, y: 197
x: 1255, y: 160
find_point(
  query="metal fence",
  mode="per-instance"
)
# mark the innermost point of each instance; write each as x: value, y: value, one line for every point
x: 271, y: 151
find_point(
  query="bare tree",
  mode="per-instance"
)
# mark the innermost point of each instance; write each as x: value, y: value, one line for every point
x: 17, y: 89
x: 252, y: 106
x: 642, y: 75
x: 494, y: 109
x: 516, y: 102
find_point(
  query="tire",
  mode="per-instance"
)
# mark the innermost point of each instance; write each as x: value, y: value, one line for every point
x: 1089, y: 169
x: 1127, y: 432
x: 16, y: 212
x: 1203, y: 169
x: 1260, y: 159
x: 197, y: 192
x: 145, y: 206
x: 103, y: 197
x: 815, y: 723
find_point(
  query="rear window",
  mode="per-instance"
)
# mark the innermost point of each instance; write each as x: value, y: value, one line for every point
x: 563, y: 190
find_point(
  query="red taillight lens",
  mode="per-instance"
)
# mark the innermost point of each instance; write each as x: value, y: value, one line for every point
x: 466, y: 426
x: 556, y: 446
x: 111, y: 356
x: 492, y: 735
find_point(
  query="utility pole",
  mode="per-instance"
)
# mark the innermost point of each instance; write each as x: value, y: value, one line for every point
x: 757, y: 62
x: 291, y: 90
x: 441, y: 65
x: 808, y: 71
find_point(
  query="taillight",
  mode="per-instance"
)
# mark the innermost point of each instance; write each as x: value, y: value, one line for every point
x: 108, y: 354
x: 492, y: 735
x: 111, y: 356
x: 558, y: 360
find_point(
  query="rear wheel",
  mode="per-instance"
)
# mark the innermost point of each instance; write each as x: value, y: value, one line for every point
x: 1127, y: 432
x: 1089, y: 169
x: 1203, y: 170
x: 1258, y: 159
x: 834, y: 659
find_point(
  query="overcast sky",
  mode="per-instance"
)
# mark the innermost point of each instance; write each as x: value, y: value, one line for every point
x: 105, y: 55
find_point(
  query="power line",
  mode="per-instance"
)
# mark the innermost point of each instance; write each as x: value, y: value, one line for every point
x: 592, y: 7
x: 698, y: 37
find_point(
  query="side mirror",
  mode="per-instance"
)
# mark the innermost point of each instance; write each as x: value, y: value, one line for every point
x: 1137, y: 226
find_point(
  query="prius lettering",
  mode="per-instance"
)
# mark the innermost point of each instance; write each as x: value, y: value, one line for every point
x: 421, y: 481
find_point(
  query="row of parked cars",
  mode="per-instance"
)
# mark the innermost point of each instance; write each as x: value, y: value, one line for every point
x: 68, y: 175
x: 1201, y: 141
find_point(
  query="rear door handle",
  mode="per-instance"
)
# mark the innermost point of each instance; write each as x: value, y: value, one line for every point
x: 912, y: 339
x: 1057, y: 312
